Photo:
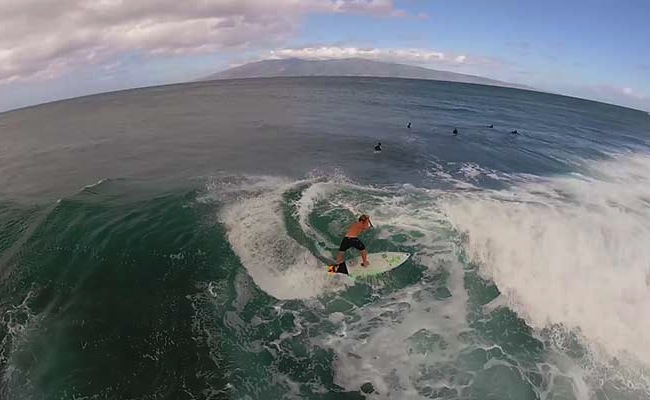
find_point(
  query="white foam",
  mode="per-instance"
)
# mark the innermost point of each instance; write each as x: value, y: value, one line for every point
x: 465, y: 176
x: 374, y: 343
x: 276, y: 262
x: 231, y: 188
x: 305, y: 205
x: 570, y: 250
x: 471, y: 170
x: 99, y: 182
x: 254, y: 218
x: 377, y: 344
x: 19, y: 323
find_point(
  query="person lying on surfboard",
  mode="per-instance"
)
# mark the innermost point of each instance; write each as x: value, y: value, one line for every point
x: 351, y: 239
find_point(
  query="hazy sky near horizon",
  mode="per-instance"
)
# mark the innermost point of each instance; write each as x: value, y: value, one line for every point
x: 53, y: 49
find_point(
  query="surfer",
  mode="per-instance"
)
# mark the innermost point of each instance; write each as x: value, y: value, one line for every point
x: 455, y: 132
x: 491, y: 126
x: 351, y: 239
x: 378, y: 147
x: 409, y: 125
x: 514, y: 132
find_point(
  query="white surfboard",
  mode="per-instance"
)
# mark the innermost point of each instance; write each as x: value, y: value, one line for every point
x: 379, y: 263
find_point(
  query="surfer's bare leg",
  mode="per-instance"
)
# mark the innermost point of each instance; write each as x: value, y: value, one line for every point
x: 339, y: 257
x: 364, y: 257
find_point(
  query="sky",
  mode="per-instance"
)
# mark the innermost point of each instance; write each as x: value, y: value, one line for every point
x: 55, y: 49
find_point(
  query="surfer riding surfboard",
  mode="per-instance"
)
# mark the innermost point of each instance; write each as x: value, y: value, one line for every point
x: 351, y: 239
x: 380, y: 262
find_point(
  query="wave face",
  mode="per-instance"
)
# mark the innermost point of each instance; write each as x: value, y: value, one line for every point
x: 173, y: 245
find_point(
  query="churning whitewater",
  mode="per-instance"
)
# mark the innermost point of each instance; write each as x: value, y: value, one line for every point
x: 171, y: 244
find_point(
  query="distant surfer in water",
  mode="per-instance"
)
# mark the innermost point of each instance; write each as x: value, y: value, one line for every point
x: 490, y: 126
x: 514, y: 132
x: 455, y: 132
x: 409, y: 125
x: 351, y: 239
x: 378, y: 147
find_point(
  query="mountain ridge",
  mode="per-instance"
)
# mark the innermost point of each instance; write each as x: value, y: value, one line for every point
x: 298, y: 67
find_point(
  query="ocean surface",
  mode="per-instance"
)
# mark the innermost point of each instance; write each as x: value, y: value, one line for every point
x: 169, y: 243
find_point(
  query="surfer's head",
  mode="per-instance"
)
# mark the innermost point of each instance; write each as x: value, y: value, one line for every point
x: 364, y: 218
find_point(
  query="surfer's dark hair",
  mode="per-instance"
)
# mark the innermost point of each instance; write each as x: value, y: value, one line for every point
x: 363, y: 217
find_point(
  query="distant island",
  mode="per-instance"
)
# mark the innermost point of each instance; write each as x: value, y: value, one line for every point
x: 296, y: 67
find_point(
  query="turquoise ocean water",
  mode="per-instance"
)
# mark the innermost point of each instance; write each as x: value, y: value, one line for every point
x: 168, y: 243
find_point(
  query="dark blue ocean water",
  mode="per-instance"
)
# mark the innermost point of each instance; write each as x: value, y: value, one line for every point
x: 168, y: 243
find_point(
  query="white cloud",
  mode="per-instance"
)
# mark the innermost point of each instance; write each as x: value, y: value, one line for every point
x: 431, y: 58
x: 488, y: 67
x: 400, y: 55
x: 623, y: 95
x: 616, y: 91
x: 42, y: 38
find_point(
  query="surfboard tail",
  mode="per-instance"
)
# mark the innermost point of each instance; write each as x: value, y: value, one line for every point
x: 341, y: 268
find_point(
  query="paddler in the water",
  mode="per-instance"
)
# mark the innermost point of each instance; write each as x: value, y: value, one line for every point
x: 351, y: 239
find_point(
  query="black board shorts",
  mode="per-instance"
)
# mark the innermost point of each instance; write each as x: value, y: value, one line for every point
x: 348, y: 242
